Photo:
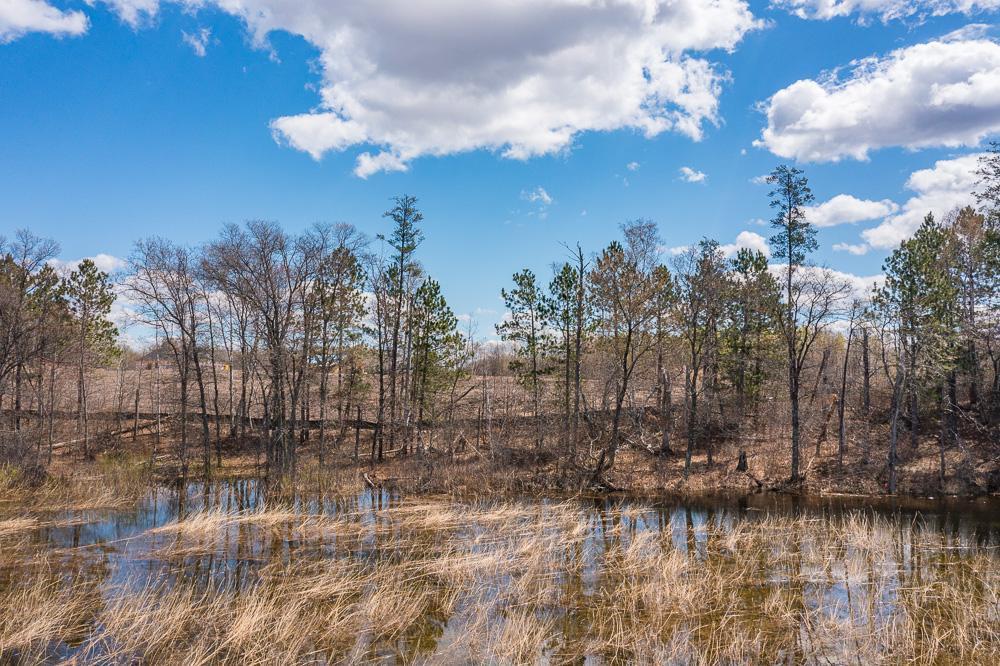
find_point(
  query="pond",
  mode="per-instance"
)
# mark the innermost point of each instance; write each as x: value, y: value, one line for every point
x: 231, y: 572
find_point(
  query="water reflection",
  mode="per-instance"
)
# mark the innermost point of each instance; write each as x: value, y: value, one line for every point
x: 586, y: 577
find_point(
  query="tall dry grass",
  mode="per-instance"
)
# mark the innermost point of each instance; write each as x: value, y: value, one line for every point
x: 516, y: 582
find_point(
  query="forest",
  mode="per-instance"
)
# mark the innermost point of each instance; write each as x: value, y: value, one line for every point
x: 688, y: 456
x: 325, y: 352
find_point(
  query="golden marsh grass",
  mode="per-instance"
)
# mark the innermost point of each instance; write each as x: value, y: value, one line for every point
x: 503, y: 582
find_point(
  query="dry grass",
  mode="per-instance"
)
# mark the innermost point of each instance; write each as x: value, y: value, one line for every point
x: 515, y: 582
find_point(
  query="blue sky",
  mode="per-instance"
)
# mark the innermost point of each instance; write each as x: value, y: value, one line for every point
x: 518, y: 130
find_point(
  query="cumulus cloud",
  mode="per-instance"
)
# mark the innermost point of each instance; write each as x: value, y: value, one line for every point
x: 941, y: 93
x: 745, y: 239
x: 885, y: 10
x: 856, y: 249
x: 689, y: 175
x: 846, y: 209
x: 105, y: 262
x: 19, y: 17
x: 137, y: 12
x: 859, y: 287
x: 939, y: 189
x: 520, y: 77
x: 198, y: 41
x: 632, y: 166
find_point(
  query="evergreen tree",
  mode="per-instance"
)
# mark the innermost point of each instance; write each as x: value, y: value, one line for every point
x: 528, y: 311
x: 406, y: 236
x: 794, y: 240
x: 563, y: 291
x: 90, y: 296
x: 748, y: 342
x: 434, y: 334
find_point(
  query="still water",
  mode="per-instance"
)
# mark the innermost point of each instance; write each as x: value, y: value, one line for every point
x: 598, y: 579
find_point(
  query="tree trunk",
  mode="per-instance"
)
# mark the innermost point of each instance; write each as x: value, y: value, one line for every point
x: 897, y: 399
x: 842, y: 403
x: 666, y: 411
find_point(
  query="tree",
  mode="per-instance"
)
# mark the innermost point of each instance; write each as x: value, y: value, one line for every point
x: 751, y: 303
x: 161, y: 282
x: 974, y: 253
x: 625, y: 286
x: 700, y: 274
x: 987, y: 251
x: 90, y: 296
x: 271, y: 273
x: 794, y: 240
x: 563, y: 296
x: 29, y: 293
x: 434, y: 332
x: 665, y: 301
x: 918, y: 301
x: 338, y: 290
x: 528, y: 311
x: 404, y: 239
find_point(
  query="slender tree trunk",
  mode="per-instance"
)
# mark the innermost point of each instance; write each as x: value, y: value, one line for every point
x: 897, y: 399
x: 914, y: 399
x: 866, y: 395
x: 691, y: 388
x: 17, y: 396
x: 357, y: 433
x: 666, y: 411
x: 842, y: 402
x: 205, y: 436
x: 138, y: 386
x: 943, y: 435
x: 791, y: 336
x: 52, y: 406
x: 84, y: 424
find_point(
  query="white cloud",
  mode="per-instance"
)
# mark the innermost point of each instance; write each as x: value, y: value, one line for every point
x: 846, y: 209
x: 368, y: 164
x: 689, y: 175
x: 19, y: 17
x: 520, y: 77
x: 760, y: 180
x: 136, y: 12
x: 855, y: 249
x: 859, y: 286
x: 885, y: 10
x: 632, y: 166
x: 744, y: 239
x: 198, y: 41
x: 537, y: 195
x: 105, y: 262
x: 748, y: 240
x: 940, y: 93
x: 940, y: 189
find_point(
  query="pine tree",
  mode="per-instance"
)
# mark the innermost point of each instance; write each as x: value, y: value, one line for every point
x: 90, y: 296
x: 794, y: 240
x: 528, y: 310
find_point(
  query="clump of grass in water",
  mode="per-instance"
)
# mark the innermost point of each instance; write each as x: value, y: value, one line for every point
x: 512, y: 582
x: 119, y: 480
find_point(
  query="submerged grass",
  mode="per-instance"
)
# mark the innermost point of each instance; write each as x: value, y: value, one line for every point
x: 515, y: 582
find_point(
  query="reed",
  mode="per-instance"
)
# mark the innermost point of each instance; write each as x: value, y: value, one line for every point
x: 519, y: 582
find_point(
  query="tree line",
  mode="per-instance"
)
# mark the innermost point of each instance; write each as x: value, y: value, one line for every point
x: 280, y: 341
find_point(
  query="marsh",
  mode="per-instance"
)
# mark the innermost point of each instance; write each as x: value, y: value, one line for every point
x: 231, y: 571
